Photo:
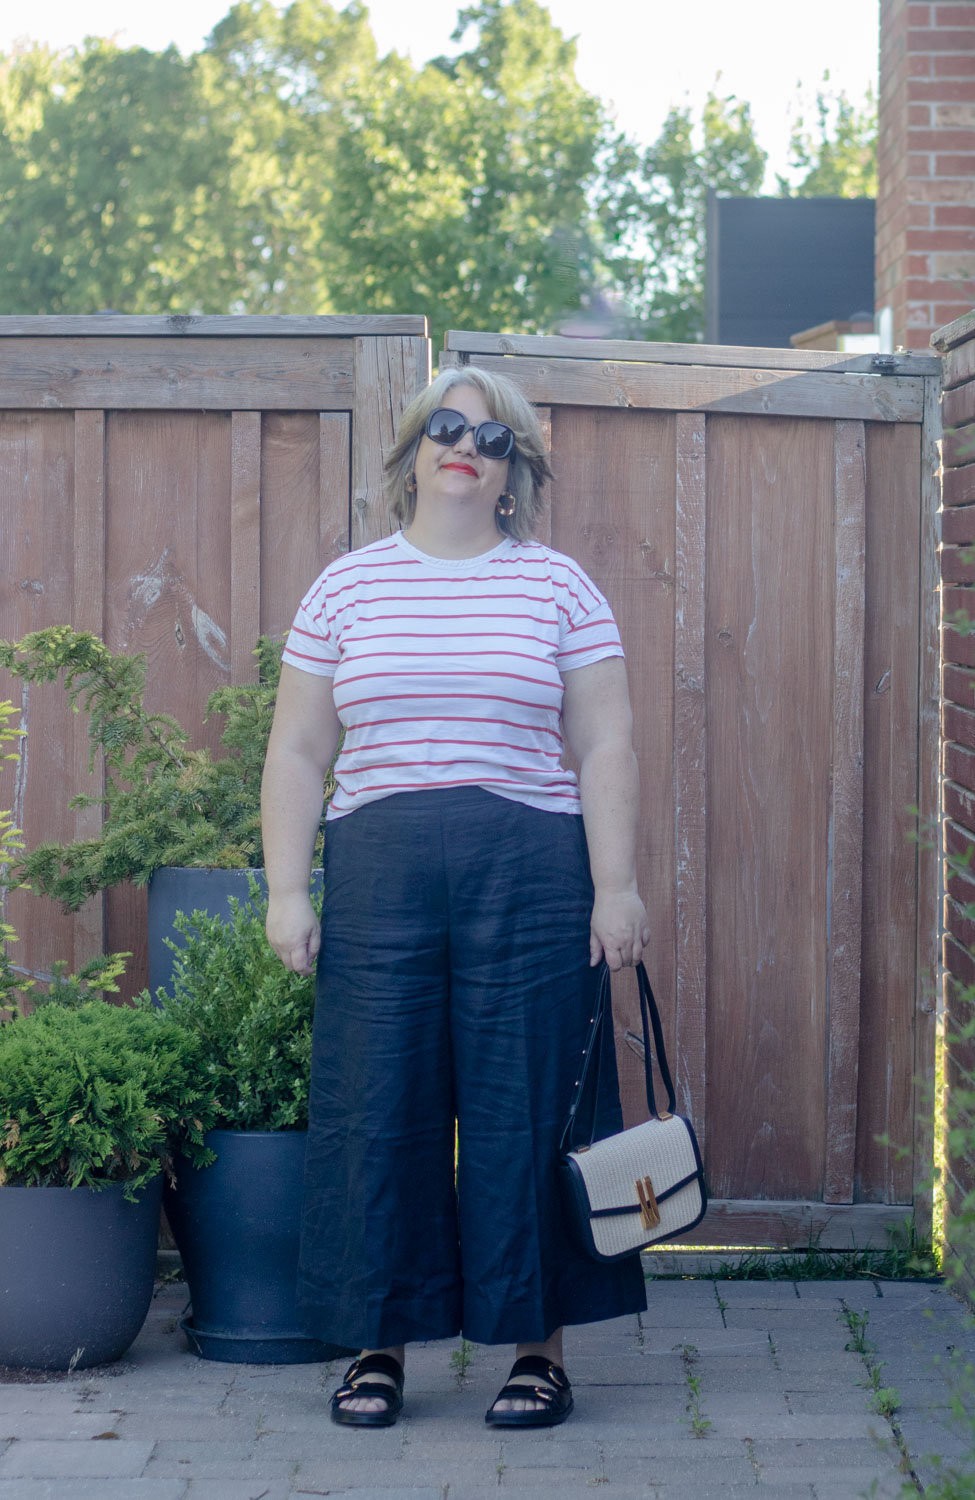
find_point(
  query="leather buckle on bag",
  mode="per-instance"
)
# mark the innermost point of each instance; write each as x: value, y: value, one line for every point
x: 649, y: 1212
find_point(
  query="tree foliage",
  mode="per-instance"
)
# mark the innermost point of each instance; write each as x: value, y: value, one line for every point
x: 836, y: 157
x: 250, y: 1016
x: 655, y: 207
x: 166, y: 803
x: 288, y: 167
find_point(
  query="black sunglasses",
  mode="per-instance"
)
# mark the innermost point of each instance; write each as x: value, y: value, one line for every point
x: 491, y: 439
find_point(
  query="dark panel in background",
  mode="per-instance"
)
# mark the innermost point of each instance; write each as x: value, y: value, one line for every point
x: 776, y: 266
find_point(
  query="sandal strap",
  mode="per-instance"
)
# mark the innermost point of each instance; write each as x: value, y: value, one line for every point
x: 523, y: 1392
x: 385, y: 1393
x: 544, y: 1369
x: 375, y: 1364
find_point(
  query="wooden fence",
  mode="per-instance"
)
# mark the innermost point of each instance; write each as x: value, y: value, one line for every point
x: 764, y: 524
x: 957, y: 343
x: 174, y: 484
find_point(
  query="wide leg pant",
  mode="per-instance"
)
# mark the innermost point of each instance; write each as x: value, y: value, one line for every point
x: 453, y: 985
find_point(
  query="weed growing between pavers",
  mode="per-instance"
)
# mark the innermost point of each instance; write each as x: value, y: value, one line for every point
x: 885, y: 1399
x: 697, y: 1421
x: 462, y: 1358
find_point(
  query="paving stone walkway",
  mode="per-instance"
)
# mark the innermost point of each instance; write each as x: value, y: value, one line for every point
x: 724, y: 1389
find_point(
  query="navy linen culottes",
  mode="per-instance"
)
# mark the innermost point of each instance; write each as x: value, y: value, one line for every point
x: 453, y: 984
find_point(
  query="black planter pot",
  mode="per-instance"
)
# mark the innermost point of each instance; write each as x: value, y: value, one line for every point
x: 236, y: 1226
x: 174, y: 889
x: 76, y: 1273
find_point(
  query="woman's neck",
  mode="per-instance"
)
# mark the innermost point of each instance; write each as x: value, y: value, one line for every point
x: 452, y: 536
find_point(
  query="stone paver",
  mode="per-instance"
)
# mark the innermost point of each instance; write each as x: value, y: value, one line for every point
x: 783, y: 1406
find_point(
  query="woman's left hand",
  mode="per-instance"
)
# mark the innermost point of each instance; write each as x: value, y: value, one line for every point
x: 619, y: 930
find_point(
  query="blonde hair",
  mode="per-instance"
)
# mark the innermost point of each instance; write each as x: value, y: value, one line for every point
x: 528, y: 467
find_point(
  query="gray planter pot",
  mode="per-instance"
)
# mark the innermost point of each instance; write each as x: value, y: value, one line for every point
x: 77, y: 1269
x: 236, y: 1224
x: 173, y: 889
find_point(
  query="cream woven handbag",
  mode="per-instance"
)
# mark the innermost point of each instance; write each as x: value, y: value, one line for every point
x: 645, y: 1184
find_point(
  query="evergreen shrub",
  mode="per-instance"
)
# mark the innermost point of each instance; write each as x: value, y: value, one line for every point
x: 252, y: 1016
x: 165, y: 803
x: 96, y: 1094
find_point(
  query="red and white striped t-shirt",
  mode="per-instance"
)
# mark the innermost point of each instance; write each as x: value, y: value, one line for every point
x: 447, y: 672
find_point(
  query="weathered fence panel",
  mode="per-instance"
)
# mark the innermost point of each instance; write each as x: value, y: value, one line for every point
x: 759, y: 522
x: 764, y: 524
x: 173, y: 484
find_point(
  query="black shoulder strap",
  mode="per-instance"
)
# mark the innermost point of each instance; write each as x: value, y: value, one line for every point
x: 650, y: 1019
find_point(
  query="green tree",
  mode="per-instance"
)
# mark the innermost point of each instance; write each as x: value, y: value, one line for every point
x: 653, y: 208
x: 111, y: 164
x: 837, y: 156
x: 287, y: 167
x: 459, y: 189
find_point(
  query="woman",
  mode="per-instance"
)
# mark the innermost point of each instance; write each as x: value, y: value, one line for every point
x: 461, y: 925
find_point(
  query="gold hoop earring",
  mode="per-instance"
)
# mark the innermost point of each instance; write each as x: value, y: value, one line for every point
x: 411, y: 482
x: 509, y: 509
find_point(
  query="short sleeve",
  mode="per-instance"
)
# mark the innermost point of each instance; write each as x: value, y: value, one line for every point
x: 311, y: 645
x: 587, y: 630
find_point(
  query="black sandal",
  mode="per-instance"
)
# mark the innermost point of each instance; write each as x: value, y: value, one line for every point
x: 352, y: 1385
x: 556, y: 1394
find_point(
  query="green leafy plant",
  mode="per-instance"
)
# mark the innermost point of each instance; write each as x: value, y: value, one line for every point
x: 699, y: 1424
x: 955, y: 1479
x: 97, y: 1094
x: 461, y: 1359
x: 252, y: 1016
x: 11, y: 844
x: 165, y: 802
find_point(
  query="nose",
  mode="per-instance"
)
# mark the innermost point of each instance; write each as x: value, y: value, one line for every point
x: 466, y: 444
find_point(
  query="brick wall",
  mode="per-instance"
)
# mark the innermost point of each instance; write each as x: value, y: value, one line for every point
x: 957, y: 344
x: 926, y: 166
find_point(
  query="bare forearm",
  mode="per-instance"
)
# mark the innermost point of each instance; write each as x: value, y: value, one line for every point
x: 609, y: 787
x: 291, y: 807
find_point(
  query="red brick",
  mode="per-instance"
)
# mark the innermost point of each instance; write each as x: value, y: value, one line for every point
x: 958, y: 528
x: 959, y: 449
x: 958, y: 486
x: 954, y: 166
x: 919, y: 116
x: 947, y: 312
x: 920, y: 166
x: 941, y: 140
x: 939, y: 39
x: 958, y: 841
x: 959, y: 14
x: 919, y: 15
x: 955, y: 65
x: 919, y: 65
x: 940, y: 90
x: 941, y: 239
x: 945, y: 291
x: 918, y: 265
x: 918, y: 215
x: 958, y: 725
x: 953, y: 190
x: 958, y: 961
x: 948, y: 214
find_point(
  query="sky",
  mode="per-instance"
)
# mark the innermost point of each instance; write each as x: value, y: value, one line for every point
x: 641, y: 56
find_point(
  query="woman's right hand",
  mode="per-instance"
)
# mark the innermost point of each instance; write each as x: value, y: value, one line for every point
x: 293, y: 931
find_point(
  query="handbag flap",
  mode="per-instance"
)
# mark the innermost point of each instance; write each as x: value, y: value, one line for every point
x: 663, y: 1150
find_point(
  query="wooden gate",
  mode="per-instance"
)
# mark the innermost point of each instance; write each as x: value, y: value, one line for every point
x: 174, y: 484
x: 764, y: 524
